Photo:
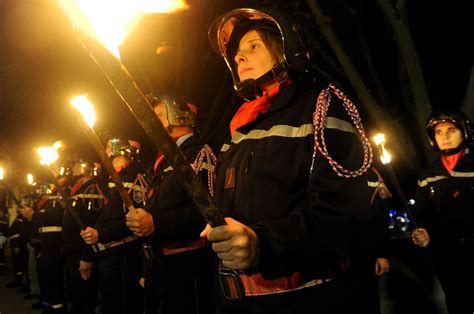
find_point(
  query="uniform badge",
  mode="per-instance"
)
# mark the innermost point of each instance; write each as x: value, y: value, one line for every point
x: 230, y: 178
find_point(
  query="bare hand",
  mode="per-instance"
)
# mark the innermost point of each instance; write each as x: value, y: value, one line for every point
x: 26, y: 212
x: 141, y: 282
x: 86, y: 269
x: 420, y: 237
x: 140, y: 222
x: 235, y: 244
x: 382, y: 265
x: 90, y: 235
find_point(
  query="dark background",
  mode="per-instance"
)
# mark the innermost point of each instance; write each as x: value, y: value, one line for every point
x: 42, y: 66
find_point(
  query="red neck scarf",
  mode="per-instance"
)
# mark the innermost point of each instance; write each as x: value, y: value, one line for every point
x: 250, y: 110
x: 450, y: 161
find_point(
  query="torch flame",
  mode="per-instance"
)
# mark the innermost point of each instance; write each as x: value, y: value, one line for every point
x: 29, y: 178
x: 85, y: 107
x: 379, y: 139
x: 49, y: 154
x: 2, y: 173
x: 109, y: 21
x: 385, y: 158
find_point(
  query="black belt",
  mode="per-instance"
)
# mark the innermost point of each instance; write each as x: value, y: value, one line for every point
x: 112, y: 244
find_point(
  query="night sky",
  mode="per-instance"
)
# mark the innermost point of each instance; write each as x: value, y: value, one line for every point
x: 42, y: 67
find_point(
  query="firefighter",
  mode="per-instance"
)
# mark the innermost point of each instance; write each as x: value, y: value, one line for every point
x: 80, y: 274
x: 4, y: 223
x: 29, y: 227
x: 288, y: 200
x: 3, y: 236
x: 49, y: 220
x: 178, y: 265
x: 119, y: 256
x: 33, y: 215
x: 444, y: 206
x: 17, y: 242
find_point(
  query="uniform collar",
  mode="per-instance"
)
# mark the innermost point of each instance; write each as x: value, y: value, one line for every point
x: 183, y: 138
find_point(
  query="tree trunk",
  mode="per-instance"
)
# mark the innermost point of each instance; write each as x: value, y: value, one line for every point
x: 412, y: 67
x: 399, y: 140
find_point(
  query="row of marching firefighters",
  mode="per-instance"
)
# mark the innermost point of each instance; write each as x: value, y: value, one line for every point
x: 305, y: 226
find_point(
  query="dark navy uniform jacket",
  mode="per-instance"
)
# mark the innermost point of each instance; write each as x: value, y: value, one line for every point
x: 444, y: 203
x: 303, y: 219
x: 87, y: 199
x: 111, y: 224
x: 175, y: 216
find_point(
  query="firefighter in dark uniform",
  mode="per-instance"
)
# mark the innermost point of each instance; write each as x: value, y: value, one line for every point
x: 444, y: 208
x: 289, y: 200
x: 49, y: 219
x: 25, y: 236
x: 33, y: 214
x: 4, y: 223
x: 80, y: 274
x: 119, y: 258
x: 19, y: 253
x: 178, y: 265
x: 370, y: 259
x: 30, y: 228
x: 3, y: 236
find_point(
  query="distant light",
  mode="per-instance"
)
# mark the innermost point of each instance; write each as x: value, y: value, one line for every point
x: 29, y: 178
x: 385, y: 158
x: 411, y: 202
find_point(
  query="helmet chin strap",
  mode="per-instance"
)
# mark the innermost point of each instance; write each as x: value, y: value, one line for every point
x: 452, y: 151
x: 252, y: 87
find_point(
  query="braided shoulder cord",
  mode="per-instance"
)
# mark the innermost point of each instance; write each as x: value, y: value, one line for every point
x: 319, y: 119
x: 140, y: 195
x: 97, y: 203
x: 382, y: 189
x: 207, y: 153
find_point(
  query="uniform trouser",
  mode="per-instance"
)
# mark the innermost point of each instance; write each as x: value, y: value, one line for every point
x: 19, y: 258
x: 364, y: 282
x: 50, y: 272
x: 332, y: 297
x: 34, y: 287
x: 119, y: 276
x: 180, y: 283
x: 81, y: 294
x: 2, y: 258
x: 453, y: 263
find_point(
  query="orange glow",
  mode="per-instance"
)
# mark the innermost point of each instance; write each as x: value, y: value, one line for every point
x: 49, y: 154
x: 109, y: 21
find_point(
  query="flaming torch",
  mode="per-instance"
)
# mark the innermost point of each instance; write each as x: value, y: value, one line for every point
x: 85, y: 19
x: 85, y: 107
